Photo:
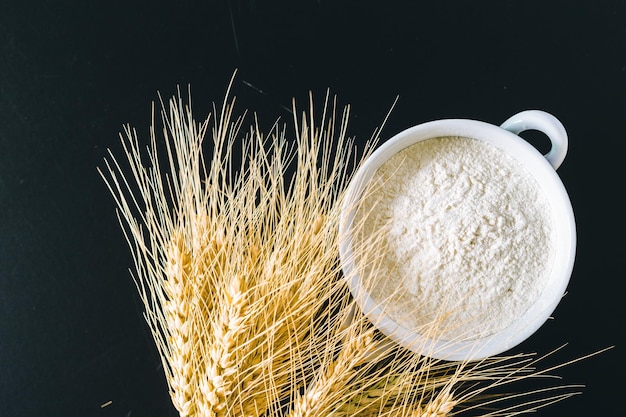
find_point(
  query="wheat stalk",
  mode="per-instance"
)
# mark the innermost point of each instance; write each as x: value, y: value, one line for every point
x: 238, y: 270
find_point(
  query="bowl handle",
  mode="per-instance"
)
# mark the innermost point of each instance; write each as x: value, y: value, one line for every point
x: 545, y: 123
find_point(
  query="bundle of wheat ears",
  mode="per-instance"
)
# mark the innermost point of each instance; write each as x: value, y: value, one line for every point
x: 237, y: 267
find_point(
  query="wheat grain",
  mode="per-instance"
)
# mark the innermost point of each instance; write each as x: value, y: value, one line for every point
x: 221, y: 367
x: 440, y: 406
x: 322, y: 395
x: 177, y: 306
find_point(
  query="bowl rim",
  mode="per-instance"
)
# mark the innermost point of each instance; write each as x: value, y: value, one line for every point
x: 538, y: 166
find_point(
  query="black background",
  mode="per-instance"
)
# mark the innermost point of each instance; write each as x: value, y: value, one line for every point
x: 72, y: 72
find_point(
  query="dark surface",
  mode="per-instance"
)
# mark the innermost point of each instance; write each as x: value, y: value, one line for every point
x: 72, y: 336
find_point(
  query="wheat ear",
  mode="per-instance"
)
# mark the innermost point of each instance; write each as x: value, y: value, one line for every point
x: 234, y: 266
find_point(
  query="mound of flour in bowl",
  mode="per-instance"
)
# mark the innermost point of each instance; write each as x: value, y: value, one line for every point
x: 466, y: 238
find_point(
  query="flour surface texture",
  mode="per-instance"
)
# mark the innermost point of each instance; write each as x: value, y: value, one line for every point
x: 467, y: 238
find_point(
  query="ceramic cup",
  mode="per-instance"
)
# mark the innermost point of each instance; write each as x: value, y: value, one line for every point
x: 541, y: 167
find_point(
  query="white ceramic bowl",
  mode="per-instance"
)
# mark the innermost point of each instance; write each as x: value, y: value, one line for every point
x: 542, y: 167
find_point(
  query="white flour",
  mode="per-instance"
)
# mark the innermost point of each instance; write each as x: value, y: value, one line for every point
x: 467, y: 238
